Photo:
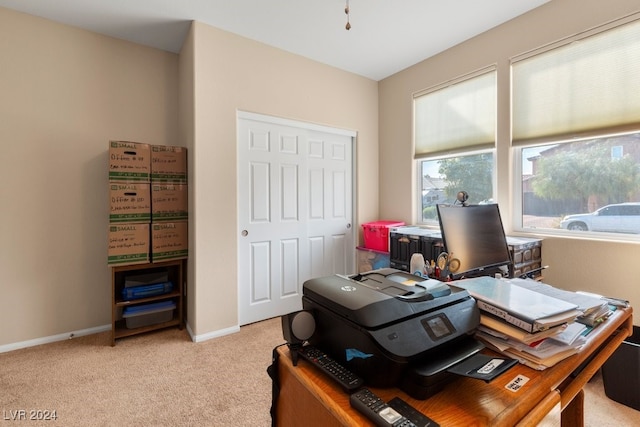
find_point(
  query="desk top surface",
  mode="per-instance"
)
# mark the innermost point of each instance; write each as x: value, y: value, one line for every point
x: 468, y: 401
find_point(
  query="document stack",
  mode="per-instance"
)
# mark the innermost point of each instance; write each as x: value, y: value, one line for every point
x: 594, y: 309
x: 525, y: 324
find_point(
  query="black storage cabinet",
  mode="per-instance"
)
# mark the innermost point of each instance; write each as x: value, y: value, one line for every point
x: 621, y: 373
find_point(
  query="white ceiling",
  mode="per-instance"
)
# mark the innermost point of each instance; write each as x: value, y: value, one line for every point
x: 386, y: 36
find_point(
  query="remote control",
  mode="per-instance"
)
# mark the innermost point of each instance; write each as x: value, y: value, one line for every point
x: 408, y: 411
x: 347, y: 379
x: 377, y: 411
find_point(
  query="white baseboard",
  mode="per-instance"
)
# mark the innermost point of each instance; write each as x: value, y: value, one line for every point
x: 104, y: 328
x: 54, y: 338
x: 211, y: 335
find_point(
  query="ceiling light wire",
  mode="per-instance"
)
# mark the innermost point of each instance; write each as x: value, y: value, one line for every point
x: 346, y: 10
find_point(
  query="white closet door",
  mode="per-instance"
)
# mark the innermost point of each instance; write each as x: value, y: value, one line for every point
x: 295, y: 202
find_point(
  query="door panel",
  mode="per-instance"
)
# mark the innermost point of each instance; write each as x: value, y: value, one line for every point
x: 295, y: 211
x: 260, y: 209
x: 260, y: 256
x: 290, y: 272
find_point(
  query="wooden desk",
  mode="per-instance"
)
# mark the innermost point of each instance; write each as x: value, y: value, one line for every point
x: 307, y: 397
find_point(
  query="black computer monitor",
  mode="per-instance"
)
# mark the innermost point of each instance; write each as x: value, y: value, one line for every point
x: 474, y: 235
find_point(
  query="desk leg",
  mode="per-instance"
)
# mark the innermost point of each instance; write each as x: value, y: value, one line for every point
x: 573, y: 413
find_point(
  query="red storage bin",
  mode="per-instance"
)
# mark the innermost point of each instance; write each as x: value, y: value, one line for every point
x: 376, y: 234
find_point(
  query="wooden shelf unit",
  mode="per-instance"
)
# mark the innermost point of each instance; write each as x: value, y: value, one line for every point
x: 175, y: 270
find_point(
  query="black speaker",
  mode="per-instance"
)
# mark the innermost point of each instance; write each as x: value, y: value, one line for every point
x: 297, y: 327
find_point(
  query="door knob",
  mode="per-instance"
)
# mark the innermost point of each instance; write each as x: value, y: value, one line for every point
x: 244, y: 233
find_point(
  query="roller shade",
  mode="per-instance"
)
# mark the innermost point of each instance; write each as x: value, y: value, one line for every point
x: 457, y: 116
x: 586, y: 86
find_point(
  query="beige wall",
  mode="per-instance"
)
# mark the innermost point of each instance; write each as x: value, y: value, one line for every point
x: 186, y: 123
x: 604, y: 267
x: 232, y: 73
x: 64, y: 93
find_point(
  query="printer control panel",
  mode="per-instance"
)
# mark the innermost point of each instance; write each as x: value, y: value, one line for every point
x: 438, y: 326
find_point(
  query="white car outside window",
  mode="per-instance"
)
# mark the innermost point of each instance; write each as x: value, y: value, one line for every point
x: 618, y: 218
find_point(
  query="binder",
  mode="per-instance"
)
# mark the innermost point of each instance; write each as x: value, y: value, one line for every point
x: 528, y: 310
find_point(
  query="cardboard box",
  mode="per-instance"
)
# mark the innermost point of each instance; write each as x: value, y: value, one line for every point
x: 128, y: 244
x: 169, y: 202
x: 168, y: 164
x: 129, y: 202
x: 129, y: 161
x: 169, y: 240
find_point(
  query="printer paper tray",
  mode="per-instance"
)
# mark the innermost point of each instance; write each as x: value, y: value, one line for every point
x: 446, y: 356
x: 483, y: 366
x: 425, y: 378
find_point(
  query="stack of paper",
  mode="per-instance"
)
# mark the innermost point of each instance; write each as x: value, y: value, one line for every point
x: 595, y: 317
x: 539, y: 354
x: 526, y: 309
x: 523, y: 323
x: 594, y: 310
x: 500, y: 329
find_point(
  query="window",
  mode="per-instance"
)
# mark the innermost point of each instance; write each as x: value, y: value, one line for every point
x: 576, y: 178
x: 454, y: 133
x: 576, y: 131
x: 443, y: 178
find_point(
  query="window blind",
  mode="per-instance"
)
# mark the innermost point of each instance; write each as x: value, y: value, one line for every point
x: 584, y: 87
x: 456, y: 116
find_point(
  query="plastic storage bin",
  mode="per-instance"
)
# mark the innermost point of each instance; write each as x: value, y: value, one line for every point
x: 621, y: 373
x: 148, y: 314
x: 376, y: 234
x: 369, y: 259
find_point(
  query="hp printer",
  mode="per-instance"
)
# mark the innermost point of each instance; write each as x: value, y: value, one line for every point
x: 392, y: 328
